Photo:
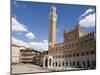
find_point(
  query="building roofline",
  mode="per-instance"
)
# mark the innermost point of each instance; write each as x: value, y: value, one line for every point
x: 28, y: 49
x: 15, y: 45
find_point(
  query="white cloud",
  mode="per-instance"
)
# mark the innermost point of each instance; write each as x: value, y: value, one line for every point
x: 88, y: 21
x: 40, y: 46
x: 87, y: 12
x: 19, y: 42
x: 30, y: 35
x: 17, y: 26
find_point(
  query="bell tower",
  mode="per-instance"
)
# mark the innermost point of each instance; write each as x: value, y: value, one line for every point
x: 52, y: 27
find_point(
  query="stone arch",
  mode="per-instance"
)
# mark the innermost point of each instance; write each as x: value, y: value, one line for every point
x: 46, y: 62
x: 66, y: 63
x: 78, y: 64
x: 63, y: 63
x: 50, y: 62
x: 73, y: 63
x: 88, y: 64
x: 93, y: 64
x: 83, y: 64
x: 59, y: 64
x: 56, y: 64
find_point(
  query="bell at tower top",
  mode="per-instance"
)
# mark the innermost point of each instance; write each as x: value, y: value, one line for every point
x: 53, y: 15
x: 53, y: 9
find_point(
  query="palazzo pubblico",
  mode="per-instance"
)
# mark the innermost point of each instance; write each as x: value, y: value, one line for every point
x: 77, y: 51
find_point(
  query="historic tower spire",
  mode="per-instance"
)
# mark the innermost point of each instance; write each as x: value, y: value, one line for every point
x: 52, y: 27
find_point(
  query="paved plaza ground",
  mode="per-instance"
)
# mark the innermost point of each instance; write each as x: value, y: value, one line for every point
x: 27, y: 68
x: 30, y: 68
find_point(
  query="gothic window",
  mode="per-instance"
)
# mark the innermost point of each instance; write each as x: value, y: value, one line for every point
x: 87, y: 52
x: 62, y: 46
x: 62, y: 56
x: 59, y: 47
x: 76, y: 44
x: 69, y: 55
x: 66, y: 55
x: 82, y: 53
x: 72, y: 45
x: 66, y: 39
x: 77, y: 54
x: 92, y: 52
x: 56, y: 56
x: 73, y: 55
x: 66, y: 46
x: 69, y: 45
x: 59, y: 57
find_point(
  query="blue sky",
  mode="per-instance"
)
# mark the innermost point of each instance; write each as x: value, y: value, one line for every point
x: 34, y: 21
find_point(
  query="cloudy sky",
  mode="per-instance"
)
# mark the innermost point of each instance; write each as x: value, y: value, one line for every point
x: 30, y: 22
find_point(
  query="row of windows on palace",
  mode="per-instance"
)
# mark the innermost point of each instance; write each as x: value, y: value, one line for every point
x: 84, y: 64
x: 56, y: 47
x: 91, y: 52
